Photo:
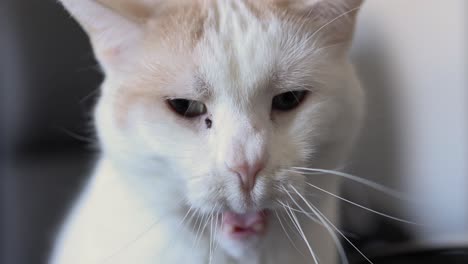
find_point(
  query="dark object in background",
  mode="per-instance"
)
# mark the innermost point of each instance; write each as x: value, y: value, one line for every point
x: 422, y: 255
x: 48, y: 81
x: 50, y: 74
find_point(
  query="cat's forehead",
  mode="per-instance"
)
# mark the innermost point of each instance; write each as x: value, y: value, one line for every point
x: 228, y: 47
x: 239, y: 51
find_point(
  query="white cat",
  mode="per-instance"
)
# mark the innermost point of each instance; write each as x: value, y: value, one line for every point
x: 206, y: 109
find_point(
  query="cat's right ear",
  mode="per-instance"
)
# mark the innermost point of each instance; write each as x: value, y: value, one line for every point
x: 113, y: 26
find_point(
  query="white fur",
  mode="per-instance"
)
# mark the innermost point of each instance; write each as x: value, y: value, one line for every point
x: 155, y: 168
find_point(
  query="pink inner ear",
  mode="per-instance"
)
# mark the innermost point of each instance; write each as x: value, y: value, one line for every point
x: 137, y: 10
x: 331, y: 20
x: 324, y: 9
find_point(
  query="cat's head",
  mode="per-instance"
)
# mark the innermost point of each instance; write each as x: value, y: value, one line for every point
x: 221, y: 98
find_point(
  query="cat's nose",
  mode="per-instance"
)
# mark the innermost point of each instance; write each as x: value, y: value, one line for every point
x: 247, y: 171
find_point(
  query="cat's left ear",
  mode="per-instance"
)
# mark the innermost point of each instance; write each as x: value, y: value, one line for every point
x: 333, y: 20
x: 114, y: 26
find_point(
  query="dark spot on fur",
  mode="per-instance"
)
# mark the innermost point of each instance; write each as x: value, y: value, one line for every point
x: 208, y: 123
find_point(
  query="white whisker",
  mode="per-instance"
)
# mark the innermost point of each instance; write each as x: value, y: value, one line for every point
x: 196, y: 224
x: 185, y: 217
x: 293, y: 226
x: 286, y: 207
x: 136, y: 239
x: 211, y: 238
x: 363, y: 207
x: 199, y: 230
x: 339, y: 246
x: 294, y: 209
x: 204, y: 226
x: 318, y: 212
x: 217, y: 227
x: 128, y: 244
x: 301, y: 232
x: 287, y: 234
x: 368, y: 183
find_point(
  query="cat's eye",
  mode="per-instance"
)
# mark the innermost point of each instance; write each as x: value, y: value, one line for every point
x: 187, y: 108
x: 288, y: 101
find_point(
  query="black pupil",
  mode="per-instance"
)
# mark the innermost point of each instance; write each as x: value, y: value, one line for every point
x: 288, y: 101
x: 187, y: 108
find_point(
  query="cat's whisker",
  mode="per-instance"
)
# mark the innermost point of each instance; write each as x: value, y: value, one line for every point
x: 286, y: 209
x: 338, y: 244
x: 200, y: 224
x: 362, y: 206
x: 128, y: 244
x: 212, y: 235
x: 211, y: 238
x: 186, y: 215
x: 308, y: 214
x: 368, y: 183
x: 217, y: 228
x: 190, y: 211
x: 81, y: 138
x: 199, y: 230
x: 287, y: 234
x: 208, y: 221
x: 195, y: 213
x: 322, y: 222
x: 215, y: 233
x: 293, y: 209
x: 303, y: 212
x: 291, y: 227
x: 299, y: 228
x: 136, y: 239
x: 296, y: 224
x: 318, y: 212
x: 90, y: 95
x: 196, y: 223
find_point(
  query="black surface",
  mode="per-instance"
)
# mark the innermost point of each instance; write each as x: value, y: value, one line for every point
x: 425, y: 256
x: 41, y: 189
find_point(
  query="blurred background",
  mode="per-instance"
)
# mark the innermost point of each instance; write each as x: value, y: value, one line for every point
x: 411, y: 56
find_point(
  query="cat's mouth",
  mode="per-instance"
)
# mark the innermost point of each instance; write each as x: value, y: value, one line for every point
x: 242, y: 226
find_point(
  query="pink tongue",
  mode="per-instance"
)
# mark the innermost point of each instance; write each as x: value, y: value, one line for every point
x: 243, y: 220
x: 244, y: 224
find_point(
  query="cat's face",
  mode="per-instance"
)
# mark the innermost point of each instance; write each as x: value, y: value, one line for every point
x: 221, y: 98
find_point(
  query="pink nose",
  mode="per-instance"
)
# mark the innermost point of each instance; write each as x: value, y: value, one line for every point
x: 247, y: 172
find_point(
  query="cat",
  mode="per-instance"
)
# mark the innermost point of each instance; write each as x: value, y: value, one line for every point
x: 208, y: 110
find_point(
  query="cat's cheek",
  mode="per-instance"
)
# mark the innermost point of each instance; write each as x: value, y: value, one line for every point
x: 133, y: 110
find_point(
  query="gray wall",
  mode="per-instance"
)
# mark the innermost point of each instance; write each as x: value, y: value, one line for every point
x: 412, y: 58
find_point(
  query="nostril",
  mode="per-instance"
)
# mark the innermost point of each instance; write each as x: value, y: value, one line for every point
x: 247, y: 173
x: 259, y: 167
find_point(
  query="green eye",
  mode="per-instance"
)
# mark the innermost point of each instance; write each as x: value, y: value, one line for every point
x: 288, y: 101
x: 187, y: 108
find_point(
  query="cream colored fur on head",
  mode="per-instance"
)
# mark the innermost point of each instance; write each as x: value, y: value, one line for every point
x: 157, y: 167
